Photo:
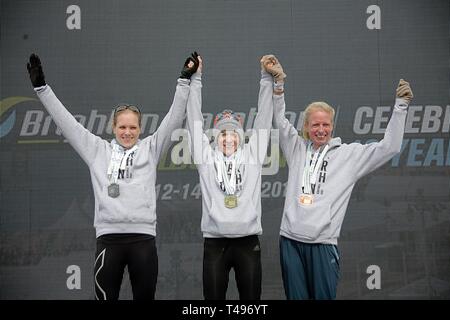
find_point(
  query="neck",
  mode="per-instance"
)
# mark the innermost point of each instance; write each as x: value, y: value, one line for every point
x: 228, y: 155
x: 125, y: 148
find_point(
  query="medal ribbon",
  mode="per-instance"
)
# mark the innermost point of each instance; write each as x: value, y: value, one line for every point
x: 222, y: 170
x: 119, y: 157
x: 312, y: 168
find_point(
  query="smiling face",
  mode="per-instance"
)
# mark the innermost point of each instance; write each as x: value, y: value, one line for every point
x: 228, y: 142
x: 319, y: 126
x: 126, y: 128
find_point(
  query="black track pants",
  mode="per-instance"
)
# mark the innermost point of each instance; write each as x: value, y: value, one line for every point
x: 114, y: 252
x: 222, y: 254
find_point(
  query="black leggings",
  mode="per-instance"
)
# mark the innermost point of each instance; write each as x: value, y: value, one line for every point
x: 114, y: 252
x: 222, y: 254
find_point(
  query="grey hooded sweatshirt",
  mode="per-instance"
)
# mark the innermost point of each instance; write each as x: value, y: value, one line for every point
x: 217, y: 219
x: 344, y: 164
x: 134, y: 210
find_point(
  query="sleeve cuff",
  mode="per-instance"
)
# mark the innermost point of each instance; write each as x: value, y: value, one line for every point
x: 266, y: 76
x: 183, y: 81
x: 278, y: 85
x: 40, y: 89
x: 279, y: 95
x: 196, y: 76
x: 400, y: 104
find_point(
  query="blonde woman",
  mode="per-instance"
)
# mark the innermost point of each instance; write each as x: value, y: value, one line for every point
x: 322, y: 174
x: 123, y: 175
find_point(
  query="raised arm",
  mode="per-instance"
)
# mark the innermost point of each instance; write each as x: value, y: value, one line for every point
x: 161, y: 139
x: 371, y: 156
x: 82, y: 140
x: 198, y: 141
x: 263, y: 122
x: 288, y: 133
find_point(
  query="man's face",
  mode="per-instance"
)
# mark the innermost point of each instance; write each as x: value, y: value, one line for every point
x: 127, y: 129
x: 319, y: 128
x: 228, y: 142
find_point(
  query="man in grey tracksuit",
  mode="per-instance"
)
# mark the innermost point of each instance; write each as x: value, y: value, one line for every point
x: 123, y: 175
x: 322, y: 174
x: 230, y: 180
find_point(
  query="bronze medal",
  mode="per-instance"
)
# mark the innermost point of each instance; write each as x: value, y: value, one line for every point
x: 306, y: 199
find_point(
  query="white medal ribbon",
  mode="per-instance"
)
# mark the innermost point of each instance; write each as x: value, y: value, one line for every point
x: 222, y: 164
x: 312, y: 168
x: 119, y: 159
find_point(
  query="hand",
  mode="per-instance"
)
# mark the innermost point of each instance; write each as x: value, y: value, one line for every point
x: 265, y: 60
x: 271, y: 64
x: 404, y: 91
x: 190, y: 66
x: 200, y: 64
x: 35, y: 71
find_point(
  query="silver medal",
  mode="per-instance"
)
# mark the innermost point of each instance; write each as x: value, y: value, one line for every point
x: 113, y: 190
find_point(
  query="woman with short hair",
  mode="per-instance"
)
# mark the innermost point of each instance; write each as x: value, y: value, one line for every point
x: 123, y: 175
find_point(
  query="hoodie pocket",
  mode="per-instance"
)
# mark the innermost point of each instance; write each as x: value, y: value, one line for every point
x: 142, y: 208
x: 309, y: 221
x: 134, y: 204
x: 241, y: 220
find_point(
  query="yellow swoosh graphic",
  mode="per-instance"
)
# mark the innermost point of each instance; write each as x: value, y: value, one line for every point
x: 7, y: 103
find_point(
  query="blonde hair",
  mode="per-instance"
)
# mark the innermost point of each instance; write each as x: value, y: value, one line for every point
x: 312, y: 107
x: 125, y: 107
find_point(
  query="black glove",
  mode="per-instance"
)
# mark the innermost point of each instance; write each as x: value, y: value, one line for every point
x: 35, y: 70
x: 187, y: 72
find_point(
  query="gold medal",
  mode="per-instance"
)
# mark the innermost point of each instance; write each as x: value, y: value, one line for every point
x: 231, y: 201
x: 305, y: 199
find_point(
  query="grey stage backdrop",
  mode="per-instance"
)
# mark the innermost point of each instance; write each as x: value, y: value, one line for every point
x: 395, y: 241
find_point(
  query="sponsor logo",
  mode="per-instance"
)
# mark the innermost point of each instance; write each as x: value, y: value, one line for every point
x: 7, y: 112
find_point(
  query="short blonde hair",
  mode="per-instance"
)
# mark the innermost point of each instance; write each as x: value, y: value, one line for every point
x: 124, y: 107
x: 312, y: 107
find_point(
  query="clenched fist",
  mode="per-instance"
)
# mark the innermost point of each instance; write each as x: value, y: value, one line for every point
x: 190, y: 66
x: 404, y: 91
x: 271, y: 64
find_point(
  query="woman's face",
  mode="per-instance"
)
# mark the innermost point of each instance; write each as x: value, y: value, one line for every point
x: 319, y: 127
x: 127, y: 129
x: 228, y: 142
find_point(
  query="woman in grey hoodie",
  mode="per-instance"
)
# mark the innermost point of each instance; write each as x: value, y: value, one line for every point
x: 322, y: 174
x: 230, y: 180
x: 123, y: 175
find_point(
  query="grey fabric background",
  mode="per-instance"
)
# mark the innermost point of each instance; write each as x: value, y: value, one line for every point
x: 132, y: 51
